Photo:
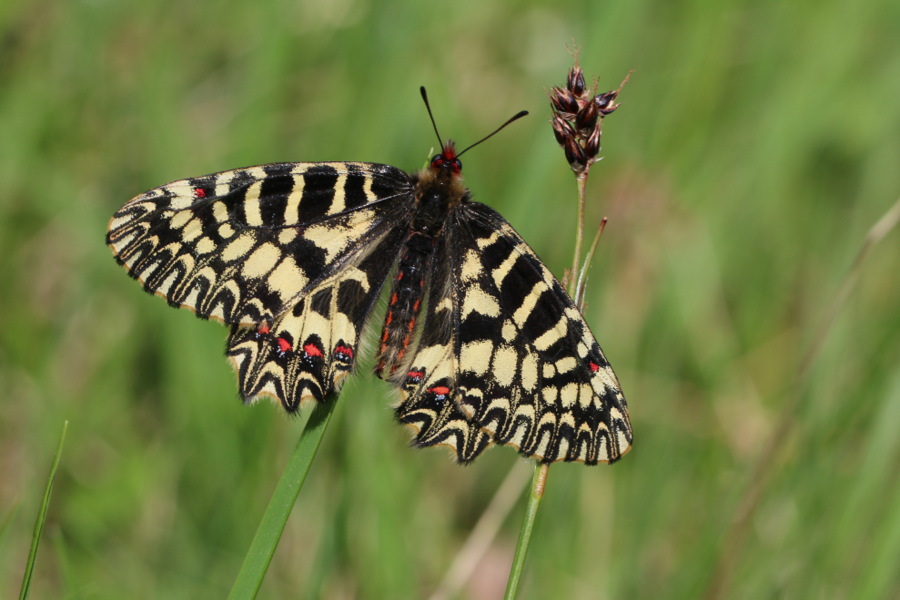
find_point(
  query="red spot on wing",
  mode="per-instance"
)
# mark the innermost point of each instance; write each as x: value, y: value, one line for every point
x: 283, y: 344
x: 343, y: 352
x: 440, y: 390
x: 199, y: 193
x: 416, y: 375
x: 312, y: 350
x: 594, y: 367
x: 263, y: 328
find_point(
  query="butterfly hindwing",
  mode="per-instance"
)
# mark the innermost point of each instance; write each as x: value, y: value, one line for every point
x: 308, y: 351
x: 529, y: 370
x: 242, y: 246
x: 428, y: 385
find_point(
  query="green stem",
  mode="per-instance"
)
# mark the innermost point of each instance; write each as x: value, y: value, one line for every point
x: 538, y: 482
x: 582, y: 275
x: 581, y: 181
x: 258, y: 557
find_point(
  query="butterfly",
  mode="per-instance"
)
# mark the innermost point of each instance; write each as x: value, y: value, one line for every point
x: 483, y: 343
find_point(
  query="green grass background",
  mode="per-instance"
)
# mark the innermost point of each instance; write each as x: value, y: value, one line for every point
x: 756, y: 144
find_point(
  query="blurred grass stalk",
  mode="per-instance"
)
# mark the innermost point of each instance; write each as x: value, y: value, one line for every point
x: 483, y: 533
x: 41, y: 518
x: 259, y: 556
x: 729, y: 557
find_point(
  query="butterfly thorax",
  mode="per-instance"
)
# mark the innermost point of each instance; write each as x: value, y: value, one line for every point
x: 438, y: 191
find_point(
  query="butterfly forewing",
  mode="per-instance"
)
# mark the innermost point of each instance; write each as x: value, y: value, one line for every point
x: 242, y: 246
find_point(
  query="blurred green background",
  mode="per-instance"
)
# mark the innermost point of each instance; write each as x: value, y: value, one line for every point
x: 756, y: 144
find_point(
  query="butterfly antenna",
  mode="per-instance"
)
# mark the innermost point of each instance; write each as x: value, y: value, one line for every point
x: 515, y: 117
x: 431, y: 116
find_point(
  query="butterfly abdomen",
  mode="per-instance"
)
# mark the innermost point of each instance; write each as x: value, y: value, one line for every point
x: 405, y: 302
x: 438, y: 191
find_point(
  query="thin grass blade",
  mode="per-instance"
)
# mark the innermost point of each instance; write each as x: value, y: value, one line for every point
x: 258, y: 557
x: 41, y: 518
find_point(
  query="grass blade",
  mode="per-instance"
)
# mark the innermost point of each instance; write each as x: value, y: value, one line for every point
x: 41, y: 518
x: 258, y: 557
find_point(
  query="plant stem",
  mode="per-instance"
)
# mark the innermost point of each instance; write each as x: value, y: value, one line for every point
x: 578, y: 297
x: 581, y: 181
x: 538, y: 483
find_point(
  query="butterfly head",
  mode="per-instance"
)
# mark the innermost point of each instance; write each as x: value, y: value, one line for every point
x: 441, y: 184
x: 447, y: 162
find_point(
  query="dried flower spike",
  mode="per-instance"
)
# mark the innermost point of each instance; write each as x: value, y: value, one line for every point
x: 578, y: 113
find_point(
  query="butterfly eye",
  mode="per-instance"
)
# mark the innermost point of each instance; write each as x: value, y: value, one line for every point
x: 457, y: 165
x: 437, y: 160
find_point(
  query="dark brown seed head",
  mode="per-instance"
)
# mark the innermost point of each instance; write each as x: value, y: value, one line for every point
x: 606, y: 102
x: 562, y: 130
x: 577, y: 120
x: 592, y: 144
x: 575, y: 82
x: 563, y: 101
x: 575, y: 155
x: 586, y: 119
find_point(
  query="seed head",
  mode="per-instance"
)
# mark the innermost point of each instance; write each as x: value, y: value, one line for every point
x: 586, y: 120
x: 575, y: 81
x: 564, y: 102
x: 577, y: 119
